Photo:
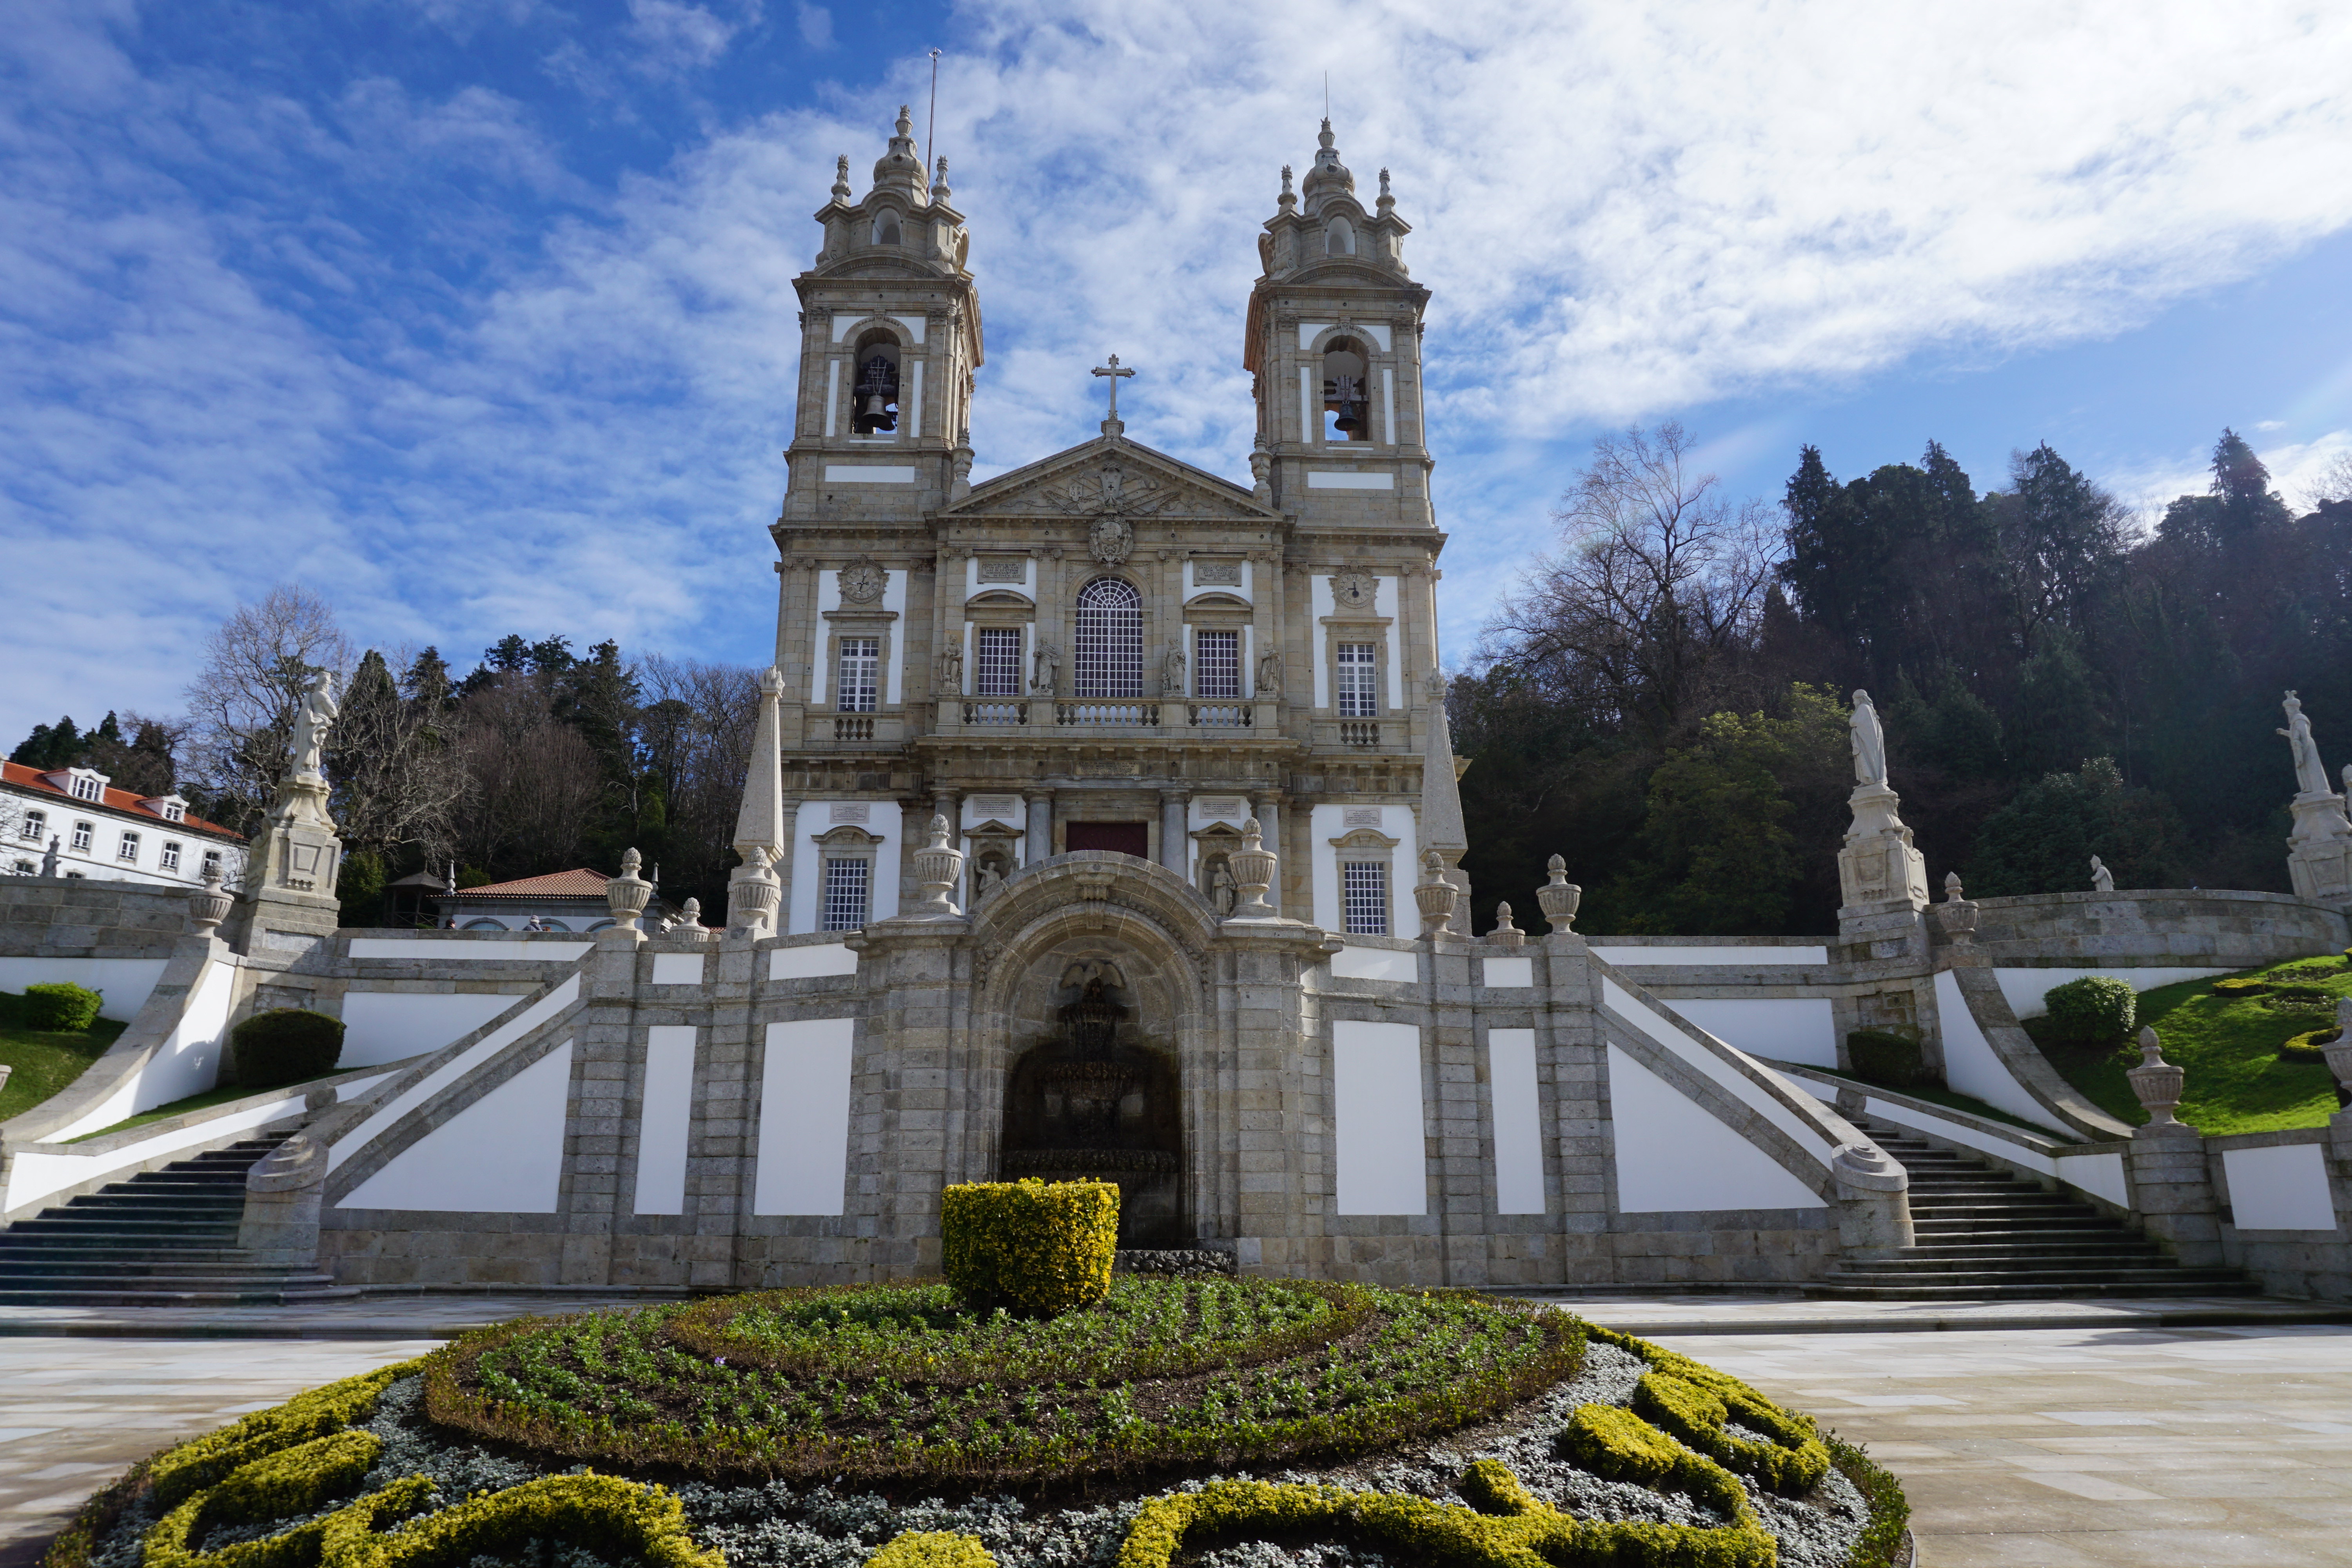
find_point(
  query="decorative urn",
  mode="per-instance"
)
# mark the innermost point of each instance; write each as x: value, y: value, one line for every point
x: 2156, y: 1082
x: 1436, y: 895
x: 208, y: 905
x: 1252, y: 867
x: 938, y: 868
x: 626, y: 895
x: 1559, y: 898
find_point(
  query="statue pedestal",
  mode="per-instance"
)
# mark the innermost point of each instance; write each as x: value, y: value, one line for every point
x: 289, y: 899
x: 1878, y: 865
x: 2319, y: 850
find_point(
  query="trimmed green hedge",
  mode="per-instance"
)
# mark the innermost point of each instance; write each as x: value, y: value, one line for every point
x: 286, y: 1045
x: 60, y: 1009
x: 1885, y: 1057
x: 1692, y: 1401
x: 932, y: 1549
x: 2092, y: 1011
x: 2311, y: 1046
x: 1034, y: 1247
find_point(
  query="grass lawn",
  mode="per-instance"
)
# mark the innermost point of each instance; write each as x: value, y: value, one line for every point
x: 204, y: 1102
x: 45, y: 1061
x: 2229, y: 1046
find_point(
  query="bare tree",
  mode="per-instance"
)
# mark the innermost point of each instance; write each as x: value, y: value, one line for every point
x: 533, y: 781
x: 695, y: 730
x: 2333, y: 483
x: 1659, y: 586
x: 395, y: 763
x: 242, y: 703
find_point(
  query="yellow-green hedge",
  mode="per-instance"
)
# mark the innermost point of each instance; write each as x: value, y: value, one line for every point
x: 306, y: 1415
x: 932, y: 1549
x: 1034, y: 1247
x: 1692, y: 1401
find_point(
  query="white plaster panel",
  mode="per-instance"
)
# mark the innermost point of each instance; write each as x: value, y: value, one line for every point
x: 1373, y: 964
x: 805, y: 962
x: 677, y: 969
x: 1245, y: 592
x: 1518, y: 1121
x: 188, y: 1061
x: 2283, y: 1187
x: 1308, y: 331
x: 1348, y: 480
x: 915, y: 405
x: 502, y: 1154
x: 2020, y: 1154
x: 803, y: 1165
x: 1318, y: 606
x: 843, y: 321
x: 2022, y: 988
x: 2099, y: 1175
x: 1673, y: 1157
x: 123, y: 984
x: 382, y: 1026
x: 1325, y: 823
x: 869, y: 473
x: 665, y: 1113
x: 1630, y: 957
x: 1384, y: 603
x: 1971, y: 1067
x: 1785, y: 1028
x: 894, y: 599
x: 528, y: 1019
x: 815, y: 817
x: 1382, y: 1153
x: 417, y: 949
x: 1509, y: 971
x: 1740, y: 1086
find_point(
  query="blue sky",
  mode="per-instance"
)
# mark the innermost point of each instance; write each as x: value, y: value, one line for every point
x: 475, y: 316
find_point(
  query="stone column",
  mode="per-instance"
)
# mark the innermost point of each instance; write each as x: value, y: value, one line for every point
x: 1039, y: 841
x: 1175, y: 842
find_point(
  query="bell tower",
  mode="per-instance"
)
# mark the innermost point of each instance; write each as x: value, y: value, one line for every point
x: 890, y: 339
x: 1334, y: 345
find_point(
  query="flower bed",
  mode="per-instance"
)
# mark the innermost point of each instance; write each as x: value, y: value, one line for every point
x: 1631, y: 1455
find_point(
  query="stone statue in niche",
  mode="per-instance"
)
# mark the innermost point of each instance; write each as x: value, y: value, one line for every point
x: 1869, y: 743
x: 2310, y: 774
x: 1045, y: 668
x: 1269, y: 675
x: 1171, y: 671
x: 2101, y: 879
x: 947, y: 670
x: 1221, y: 888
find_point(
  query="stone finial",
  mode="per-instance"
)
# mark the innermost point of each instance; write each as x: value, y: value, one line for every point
x: 2156, y: 1082
x: 1559, y: 899
x: 1952, y: 887
x: 938, y: 868
x: 627, y: 894
x: 1289, y: 200
x: 841, y: 179
x: 1253, y: 866
x: 1434, y: 895
x: 1505, y: 933
x: 939, y: 190
x: 1388, y: 198
x: 691, y: 912
x: 208, y: 905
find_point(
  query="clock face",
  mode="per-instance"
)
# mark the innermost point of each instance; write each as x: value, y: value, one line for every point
x: 1354, y: 589
x: 862, y: 583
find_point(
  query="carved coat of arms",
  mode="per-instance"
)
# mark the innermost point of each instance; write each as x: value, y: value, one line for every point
x: 1109, y: 540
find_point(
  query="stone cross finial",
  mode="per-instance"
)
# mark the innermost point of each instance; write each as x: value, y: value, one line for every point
x: 1114, y: 371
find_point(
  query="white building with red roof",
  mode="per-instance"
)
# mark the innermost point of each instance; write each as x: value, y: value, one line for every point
x: 73, y: 822
x: 561, y: 901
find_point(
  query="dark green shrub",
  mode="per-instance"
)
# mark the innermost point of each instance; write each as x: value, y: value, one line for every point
x: 2311, y: 1046
x: 2096, y: 1010
x: 60, y: 1009
x: 1034, y: 1247
x: 1883, y: 1056
x: 286, y: 1045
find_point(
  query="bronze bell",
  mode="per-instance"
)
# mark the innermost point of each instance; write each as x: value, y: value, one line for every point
x: 1345, y: 397
x: 877, y: 390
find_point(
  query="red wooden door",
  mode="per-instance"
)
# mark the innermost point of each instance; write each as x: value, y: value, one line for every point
x: 1125, y: 838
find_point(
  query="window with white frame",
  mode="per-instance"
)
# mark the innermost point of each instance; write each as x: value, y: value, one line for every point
x: 1109, y: 653
x: 35, y: 822
x: 1364, y: 886
x: 129, y: 848
x: 88, y: 789
x: 1217, y: 666
x: 172, y: 811
x: 1359, y: 685
x: 169, y: 860
x: 212, y: 858
x: 848, y: 894
x: 81, y: 836
x: 860, y: 674
x: 27, y: 869
x: 996, y: 664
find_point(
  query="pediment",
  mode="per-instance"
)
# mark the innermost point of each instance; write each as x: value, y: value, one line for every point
x: 1112, y: 477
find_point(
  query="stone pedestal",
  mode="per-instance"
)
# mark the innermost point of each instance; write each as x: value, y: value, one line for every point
x: 1878, y: 865
x: 1874, y: 1202
x: 288, y: 900
x: 2319, y: 850
x: 280, y: 1225
x: 2172, y: 1192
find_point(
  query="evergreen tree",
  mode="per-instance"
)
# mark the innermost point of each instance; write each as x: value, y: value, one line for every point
x: 50, y: 746
x: 2042, y: 841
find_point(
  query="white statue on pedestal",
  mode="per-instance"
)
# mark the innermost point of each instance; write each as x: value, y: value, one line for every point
x: 311, y: 723
x: 2310, y: 774
x: 2101, y: 879
x: 1869, y: 743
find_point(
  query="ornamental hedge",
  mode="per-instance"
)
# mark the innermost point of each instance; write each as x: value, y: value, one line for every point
x: 61, y: 1008
x: 2096, y: 1010
x: 286, y: 1045
x: 1885, y: 1058
x: 1032, y: 1246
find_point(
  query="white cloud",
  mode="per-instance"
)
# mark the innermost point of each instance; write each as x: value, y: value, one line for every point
x: 1621, y: 212
x: 816, y: 27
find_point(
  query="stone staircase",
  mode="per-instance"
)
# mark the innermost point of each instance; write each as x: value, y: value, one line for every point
x: 163, y: 1238
x: 1985, y: 1234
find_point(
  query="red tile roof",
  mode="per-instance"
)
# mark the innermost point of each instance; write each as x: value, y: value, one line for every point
x: 121, y: 800
x: 581, y: 883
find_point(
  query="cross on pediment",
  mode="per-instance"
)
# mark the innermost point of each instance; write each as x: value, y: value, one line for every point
x: 1114, y: 371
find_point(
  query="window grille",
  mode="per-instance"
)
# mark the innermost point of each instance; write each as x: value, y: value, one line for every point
x: 1219, y: 664
x: 174, y: 812
x: 170, y: 860
x: 996, y: 669
x: 87, y: 789
x: 861, y: 663
x: 1357, y: 694
x: 1367, y: 884
x: 129, y: 848
x: 1109, y: 640
x: 81, y: 833
x: 212, y: 858
x: 35, y: 823
x: 847, y: 884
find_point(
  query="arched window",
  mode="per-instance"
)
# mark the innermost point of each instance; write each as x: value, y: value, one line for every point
x: 874, y: 384
x: 1340, y: 237
x: 886, y: 229
x: 1346, y: 411
x: 1109, y: 640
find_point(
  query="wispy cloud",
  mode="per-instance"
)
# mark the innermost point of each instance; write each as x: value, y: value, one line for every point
x: 393, y: 344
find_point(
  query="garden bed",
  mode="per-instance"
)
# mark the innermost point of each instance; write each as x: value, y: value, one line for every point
x: 1603, y: 1449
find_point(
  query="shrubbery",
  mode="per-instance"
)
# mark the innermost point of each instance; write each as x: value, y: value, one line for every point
x: 1883, y: 1056
x: 287, y: 1045
x: 1034, y: 1247
x: 60, y: 1009
x: 2096, y: 1010
x: 932, y: 1549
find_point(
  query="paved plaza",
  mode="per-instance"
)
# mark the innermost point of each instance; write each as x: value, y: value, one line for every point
x: 2105, y: 1438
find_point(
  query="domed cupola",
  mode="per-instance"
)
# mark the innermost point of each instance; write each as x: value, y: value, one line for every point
x: 901, y: 170
x: 1329, y: 177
